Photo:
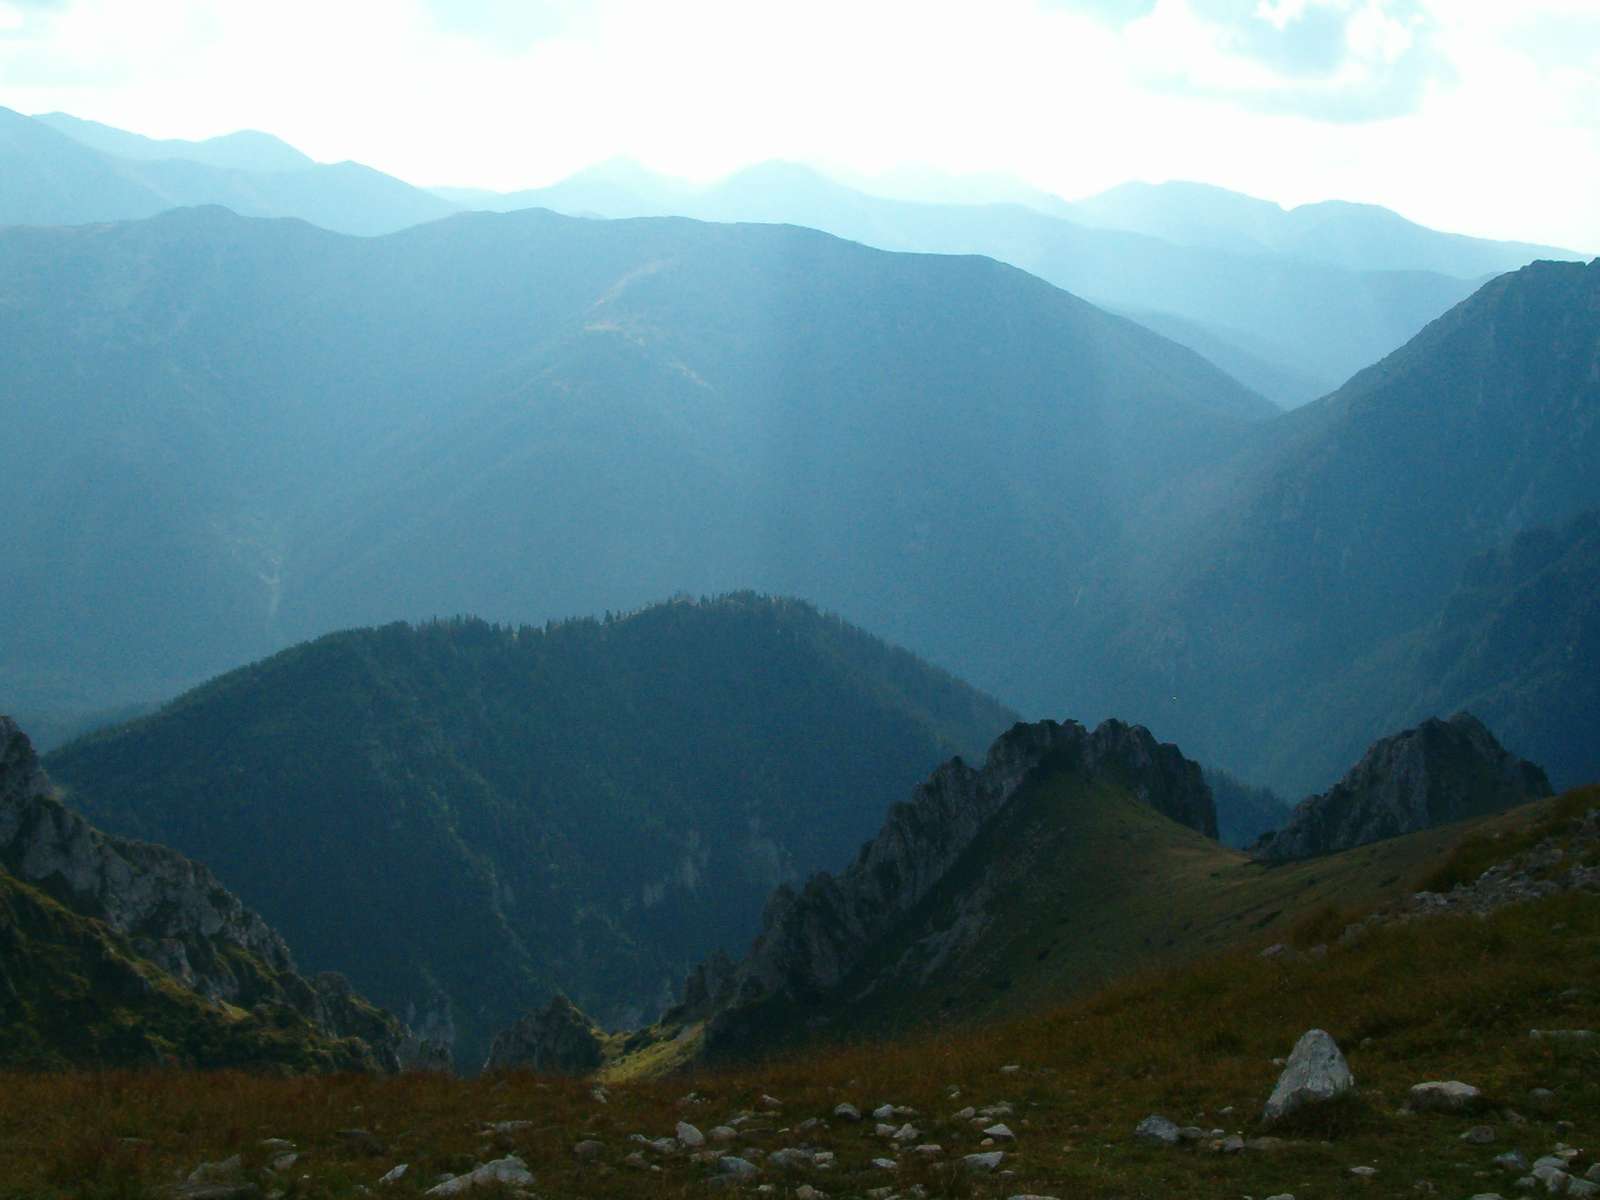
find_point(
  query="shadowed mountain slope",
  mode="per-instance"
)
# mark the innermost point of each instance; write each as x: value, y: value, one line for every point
x: 1346, y: 525
x: 123, y: 954
x: 480, y: 816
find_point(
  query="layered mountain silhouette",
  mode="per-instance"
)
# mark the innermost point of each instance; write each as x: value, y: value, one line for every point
x: 58, y: 170
x: 467, y: 818
x: 230, y: 434
x: 1291, y: 303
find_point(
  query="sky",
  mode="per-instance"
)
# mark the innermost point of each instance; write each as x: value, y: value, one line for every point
x: 1479, y: 116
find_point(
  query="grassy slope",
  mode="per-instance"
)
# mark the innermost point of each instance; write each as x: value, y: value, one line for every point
x: 1447, y: 998
x: 1075, y: 887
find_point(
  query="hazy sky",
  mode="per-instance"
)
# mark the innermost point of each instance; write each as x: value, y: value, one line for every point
x: 1476, y: 115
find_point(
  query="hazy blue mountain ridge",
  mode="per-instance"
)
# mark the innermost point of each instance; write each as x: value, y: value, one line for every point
x: 56, y: 170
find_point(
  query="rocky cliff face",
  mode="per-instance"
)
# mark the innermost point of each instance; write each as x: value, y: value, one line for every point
x: 172, y: 912
x: 812, y: 940
x: 1439, y: 772
x: 557, y: 1040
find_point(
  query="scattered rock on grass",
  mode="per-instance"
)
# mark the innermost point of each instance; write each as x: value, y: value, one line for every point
x: 509, y: 1169
x: 1447, y: 1095
x: 739, y: 1168
x: 847, y: 1112
x: 1156, y: 1130
x: 395, y: 1174
x: 983, y: 1164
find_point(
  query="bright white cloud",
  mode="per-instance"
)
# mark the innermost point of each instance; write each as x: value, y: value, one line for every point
x: 1463, y: 113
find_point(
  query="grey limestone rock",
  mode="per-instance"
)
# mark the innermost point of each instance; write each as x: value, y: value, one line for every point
x: 1315, y: 1072
x: 1441, y: 771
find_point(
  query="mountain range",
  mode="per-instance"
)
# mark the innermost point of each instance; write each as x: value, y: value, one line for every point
x: 59, y: 170
x: 229, y: 434
x: 1290, y: 302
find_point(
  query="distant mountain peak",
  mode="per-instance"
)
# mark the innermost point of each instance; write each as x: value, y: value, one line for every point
x: 1438, y: 772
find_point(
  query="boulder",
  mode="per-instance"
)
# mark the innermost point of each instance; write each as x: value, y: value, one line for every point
x: 1314, y: 1073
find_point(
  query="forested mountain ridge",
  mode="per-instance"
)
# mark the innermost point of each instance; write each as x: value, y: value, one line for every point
x: 479, y: 816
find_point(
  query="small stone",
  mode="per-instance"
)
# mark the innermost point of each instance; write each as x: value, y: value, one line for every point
x: 770, y: 1103
x: 791, y: 1159
x: 690, y: 1136
x: 637, y: 1161
x: 1362, y: 1172
x: 847, y: 1112
x: 1449, y: 1095
x: 507, y: 1127
x: 883, y: 1130
x: 1157, y: 1131
x: 806, y: 1192
x: 907, y: 1133
x: 966, y: 1114
x: 1282, y: 1196
x: 738, y: 1168
x: 1314, y: 1072
x: 363, y: 1141
x: 1232, y: 1144
x: 1541, y: 1097
x: 983, y: 1164
x: 928, y: 1150
x: 1554, y: 1179
x: 1000, y: 1133
x: 886, y: 1164
x: 283, y: 1162
x: 588, y: 1150
x: 723, y: 1134
x: 1512, y: 1160
x: 217, y: 1172
x: 272, y: 1145
x: 1479, y: 1135
x: 883, y: 1112
x: 395, y: 1174
x: 1010, y: 1068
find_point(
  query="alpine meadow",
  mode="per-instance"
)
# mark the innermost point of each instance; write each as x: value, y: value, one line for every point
x: 863, y: 602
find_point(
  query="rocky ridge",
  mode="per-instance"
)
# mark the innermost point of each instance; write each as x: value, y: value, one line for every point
x: 173, y: 913
x: 1438, y: 772
x: 813, y: 939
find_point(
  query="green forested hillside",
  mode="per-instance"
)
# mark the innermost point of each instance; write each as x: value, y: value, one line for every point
x: 463, y: 817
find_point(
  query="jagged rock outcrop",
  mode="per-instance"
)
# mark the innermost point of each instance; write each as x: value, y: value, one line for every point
x: 557, y: 1040
x: 169, y: 911
x: 1439, y: 772
x: 814, y: 938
